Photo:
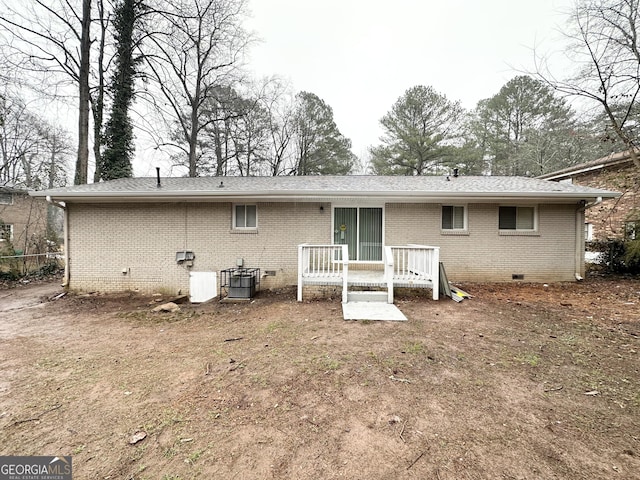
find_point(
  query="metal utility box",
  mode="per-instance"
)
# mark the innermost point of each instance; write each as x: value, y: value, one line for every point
x: 239, y: 282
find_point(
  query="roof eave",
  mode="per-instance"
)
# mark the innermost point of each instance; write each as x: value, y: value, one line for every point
x: 310, y: 196
x: 599, y: 164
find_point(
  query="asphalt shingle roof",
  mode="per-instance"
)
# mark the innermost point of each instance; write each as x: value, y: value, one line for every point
x: 325, y: 186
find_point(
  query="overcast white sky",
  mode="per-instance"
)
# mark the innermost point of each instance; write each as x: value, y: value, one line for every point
x: 359, y: 56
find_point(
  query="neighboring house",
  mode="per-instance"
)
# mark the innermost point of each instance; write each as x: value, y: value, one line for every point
x: 129, y: 233
x: 615, y: 218
x: 23, y: 219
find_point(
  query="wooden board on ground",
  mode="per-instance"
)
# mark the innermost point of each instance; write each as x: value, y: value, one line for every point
x: 444, y: 282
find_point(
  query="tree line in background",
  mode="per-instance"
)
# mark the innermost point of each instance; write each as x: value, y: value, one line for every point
x: 174, y: 70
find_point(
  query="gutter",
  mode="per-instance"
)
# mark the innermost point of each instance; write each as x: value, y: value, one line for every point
x: 313, y: 195
x: 65, y: 234
x: 579, y: 257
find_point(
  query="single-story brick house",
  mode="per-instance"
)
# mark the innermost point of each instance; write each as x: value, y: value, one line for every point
x: 129, y: 233
x: 615, y: 218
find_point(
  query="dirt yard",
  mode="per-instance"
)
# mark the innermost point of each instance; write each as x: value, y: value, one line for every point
x: 522, y: 381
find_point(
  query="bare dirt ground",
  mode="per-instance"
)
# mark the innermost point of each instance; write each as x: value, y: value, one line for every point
x: 523, y: 381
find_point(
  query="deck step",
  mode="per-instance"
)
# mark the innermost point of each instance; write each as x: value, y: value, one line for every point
x: 376, y: 296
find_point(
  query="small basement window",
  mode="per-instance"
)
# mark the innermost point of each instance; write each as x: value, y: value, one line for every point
x: 245, y: 216
x: 517, y: 219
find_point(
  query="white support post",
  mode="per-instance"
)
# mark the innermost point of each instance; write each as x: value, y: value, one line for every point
x: 388, y: 272
x: 345, y: 273
x: 300, y: 270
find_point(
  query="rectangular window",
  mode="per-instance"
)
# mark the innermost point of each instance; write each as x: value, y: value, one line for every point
x: 6, y: 232
x: 517, y: 218
x: 453, y: 217
x: 588, y: 232
x: 245, y: 216
x: 632, y: 230
x: 6, y: 198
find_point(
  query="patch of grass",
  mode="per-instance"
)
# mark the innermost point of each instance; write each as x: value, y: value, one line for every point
x: 329, y: 363
x: 167, y: 418
x: 569, y: 339
x: 529, y: 358
x: 218, y: 413
x: 139, y: 452
x: 414, y: 348
x: 272, y: 327
x: 134, y: 315
x: 47, y: 363
x: 194, y: 457
x: 147, y: 316
x: 260, y: 380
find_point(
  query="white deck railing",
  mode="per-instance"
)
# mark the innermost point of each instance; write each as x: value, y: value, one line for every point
x: 323, y: 264
x: 412, y: 264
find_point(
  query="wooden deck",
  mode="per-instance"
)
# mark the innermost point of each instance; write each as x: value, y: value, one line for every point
x: 412, y: 266
x: 367, y: 278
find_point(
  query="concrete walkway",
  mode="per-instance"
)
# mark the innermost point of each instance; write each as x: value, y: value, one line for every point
x: 372, y: 311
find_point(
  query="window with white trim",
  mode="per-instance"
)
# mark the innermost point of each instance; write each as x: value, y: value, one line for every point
x: 245, y: 217
x: 454, y: 217
x: 517, y: 219
x: 6, y: 198
x: 632, y: 230
x: 588, y: 232
x: 6, y: 232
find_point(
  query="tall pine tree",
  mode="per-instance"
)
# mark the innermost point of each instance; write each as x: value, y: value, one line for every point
x: 118, y: 136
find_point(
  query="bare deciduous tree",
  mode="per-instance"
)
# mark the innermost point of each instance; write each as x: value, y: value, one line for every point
x: 605, y: 46
x: 278, y: 101
x: 196, y: 47
x: 52, y: 38
x: 33, y: 153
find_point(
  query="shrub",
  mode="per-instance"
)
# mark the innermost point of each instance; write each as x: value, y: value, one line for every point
x: 619, y: 256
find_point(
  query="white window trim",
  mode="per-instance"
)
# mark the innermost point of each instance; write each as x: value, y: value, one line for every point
x: 465, y: 221
x: 588, y: 232
x: 10, y: 225
x: 631, y: 232
x: 233, y: 220
x: 359, y: 206
x: 521, y: 231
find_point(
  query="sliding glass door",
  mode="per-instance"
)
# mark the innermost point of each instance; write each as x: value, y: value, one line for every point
x: 361, y: 229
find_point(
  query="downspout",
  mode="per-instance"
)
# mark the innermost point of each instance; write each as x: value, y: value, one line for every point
x: 65, y: 234
x: 579, y: 257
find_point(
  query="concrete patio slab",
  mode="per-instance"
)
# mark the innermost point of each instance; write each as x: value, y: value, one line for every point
x: 372, y: 311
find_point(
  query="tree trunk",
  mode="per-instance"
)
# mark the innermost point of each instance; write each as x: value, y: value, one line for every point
x: 98, y: 103
x: 193, y: 137
x: 82, y: 162
x: 52, y: 161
